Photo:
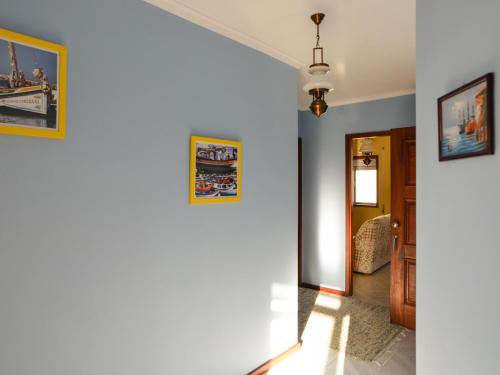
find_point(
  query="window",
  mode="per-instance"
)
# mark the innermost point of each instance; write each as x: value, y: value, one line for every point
x: 365, y: 182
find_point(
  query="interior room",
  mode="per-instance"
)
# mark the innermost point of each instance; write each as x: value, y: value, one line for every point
x: 243, y: 188
x: 371, y: 218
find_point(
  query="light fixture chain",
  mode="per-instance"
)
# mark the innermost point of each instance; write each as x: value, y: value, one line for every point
x: 317, y: 36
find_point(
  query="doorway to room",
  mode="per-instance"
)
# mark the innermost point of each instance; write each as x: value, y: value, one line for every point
x: 381, y: 221
x: 369, y: 183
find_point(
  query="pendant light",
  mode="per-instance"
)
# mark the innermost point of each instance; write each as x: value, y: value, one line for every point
x: 319, y: 83
x: 367, y: 148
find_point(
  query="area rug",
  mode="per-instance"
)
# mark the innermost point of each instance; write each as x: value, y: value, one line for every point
x: 361, y: 329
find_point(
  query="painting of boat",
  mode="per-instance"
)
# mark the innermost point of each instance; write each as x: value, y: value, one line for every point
x: 215, y: 170
x: 226, y: 186
x: 33, y: 99
x: 205, y: 189
x: 466, y: 120
x: 31, y: 74
x: 228, y: 190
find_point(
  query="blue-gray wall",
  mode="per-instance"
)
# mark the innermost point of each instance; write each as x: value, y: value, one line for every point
x: 458, y: 326
x: 104, y: 267
x: 323, y: 248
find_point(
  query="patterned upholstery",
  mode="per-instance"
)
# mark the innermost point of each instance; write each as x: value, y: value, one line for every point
x: 372, y: 244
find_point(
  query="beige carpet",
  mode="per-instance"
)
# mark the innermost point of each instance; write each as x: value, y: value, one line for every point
x: 369, y: 331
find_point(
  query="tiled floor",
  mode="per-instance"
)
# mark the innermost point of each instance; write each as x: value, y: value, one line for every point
x: 373, y: 288
x: 316, y: 358
x: 311, y: 360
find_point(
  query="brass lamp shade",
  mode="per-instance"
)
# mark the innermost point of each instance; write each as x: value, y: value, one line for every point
x: 318, y: 105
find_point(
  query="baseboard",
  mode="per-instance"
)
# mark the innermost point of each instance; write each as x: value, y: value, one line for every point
x: 274, y: 361
x: 323, y: 289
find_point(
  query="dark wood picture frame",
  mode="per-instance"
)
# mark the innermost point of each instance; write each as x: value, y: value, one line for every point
x: 489, y: 80
x: 364, y: 204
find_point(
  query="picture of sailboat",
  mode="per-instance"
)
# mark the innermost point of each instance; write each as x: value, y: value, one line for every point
x: 31, y: 72
x: 22, y: 94
x: 465, y: 120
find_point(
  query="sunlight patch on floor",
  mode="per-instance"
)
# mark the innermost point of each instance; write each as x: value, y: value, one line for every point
x: 344, y: 336
x: 283, y: 328
x: 330, y: 302
x: 315, y: 353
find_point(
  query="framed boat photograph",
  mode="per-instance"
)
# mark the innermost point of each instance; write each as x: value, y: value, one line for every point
x: 215, y: 171
x: 32, y: 86
x: 466, y: 120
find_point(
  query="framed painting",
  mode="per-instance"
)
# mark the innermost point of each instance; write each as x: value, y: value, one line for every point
x: 466, y: 120
x: 32, y: 86
x: 215, y: 171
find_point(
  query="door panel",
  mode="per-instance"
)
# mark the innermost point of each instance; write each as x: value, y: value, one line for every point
x: 410, y: 156
x: 410, y: 220
x: 403, y: 216
x: 410, y: 287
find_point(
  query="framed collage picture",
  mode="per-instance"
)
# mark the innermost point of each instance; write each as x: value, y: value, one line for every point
x: 215, y: 171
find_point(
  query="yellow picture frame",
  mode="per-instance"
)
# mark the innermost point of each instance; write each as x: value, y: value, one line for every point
x: 33, y: 90
x: 214, y: 170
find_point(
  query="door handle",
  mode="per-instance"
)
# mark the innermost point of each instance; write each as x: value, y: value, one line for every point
x: 395, y: 225
x: 394, y: 242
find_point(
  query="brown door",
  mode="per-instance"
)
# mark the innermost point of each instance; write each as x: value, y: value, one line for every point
x: 403, y: 216
x: 300, y: 210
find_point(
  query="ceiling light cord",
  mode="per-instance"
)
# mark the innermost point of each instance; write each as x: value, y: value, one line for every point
x: 317, y: 36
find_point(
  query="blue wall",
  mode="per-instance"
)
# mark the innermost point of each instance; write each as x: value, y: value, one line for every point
x: 104, y: 267
x: 324, y: 179
x: 457, y: 206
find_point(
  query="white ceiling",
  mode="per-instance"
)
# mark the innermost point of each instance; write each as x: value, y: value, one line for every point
x: 369, y: 44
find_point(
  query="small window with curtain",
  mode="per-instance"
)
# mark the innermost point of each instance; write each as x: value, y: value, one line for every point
x: 365, y: 181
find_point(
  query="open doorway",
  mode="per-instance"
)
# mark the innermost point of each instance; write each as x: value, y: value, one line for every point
x: 381, y: 221
x: 368, y: 176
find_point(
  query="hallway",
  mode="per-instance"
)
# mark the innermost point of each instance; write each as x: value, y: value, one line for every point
x: 329, y: 338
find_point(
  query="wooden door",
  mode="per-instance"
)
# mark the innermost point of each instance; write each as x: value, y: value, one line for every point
x: 403, y: 217
x: 300, y: 210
